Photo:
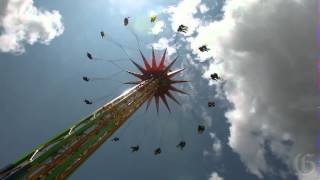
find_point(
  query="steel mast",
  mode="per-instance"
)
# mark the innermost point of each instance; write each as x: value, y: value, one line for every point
x: 60, y: 156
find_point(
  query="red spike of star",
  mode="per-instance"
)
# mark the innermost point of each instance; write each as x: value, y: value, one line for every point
x: 165, y: 76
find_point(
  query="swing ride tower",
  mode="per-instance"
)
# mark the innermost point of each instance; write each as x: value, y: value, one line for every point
x: 60, y: 156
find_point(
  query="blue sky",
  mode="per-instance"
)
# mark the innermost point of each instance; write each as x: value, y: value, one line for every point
x: 42, y: 90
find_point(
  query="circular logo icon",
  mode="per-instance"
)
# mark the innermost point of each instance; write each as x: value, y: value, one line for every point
x: 304, y: 163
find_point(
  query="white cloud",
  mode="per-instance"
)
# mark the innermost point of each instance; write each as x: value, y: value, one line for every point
x: 268, y: 57
x: 152, y: 13
x: 205, y: 116
x: 158, y: 27
x: 162, y: 44
x: 21, y: 22
x: 203, y: 8
x: 215, y: 176
x: 205, y: 153
x: 216, y: 146
x: 184, y: 13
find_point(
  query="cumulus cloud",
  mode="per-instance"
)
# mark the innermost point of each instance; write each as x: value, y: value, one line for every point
x: 158, y: 27
x: 267, y: 56
x: 22, y: 23
x: 205, y: 153
x: 203, y: 8
x: 215, y: 176
x: 205, y: 116
x: 183, y: 13
x: 162, y: 44
x: 216, y: 146
x: 268, y: 59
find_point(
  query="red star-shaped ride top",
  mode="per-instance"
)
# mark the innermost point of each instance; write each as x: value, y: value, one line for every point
x: 164, y: 74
